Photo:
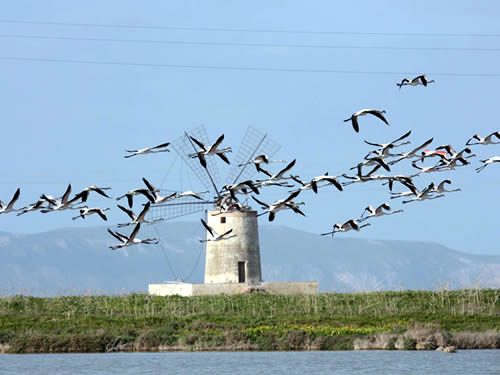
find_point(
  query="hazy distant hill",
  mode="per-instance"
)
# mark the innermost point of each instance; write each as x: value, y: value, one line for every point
x: 78, y: 261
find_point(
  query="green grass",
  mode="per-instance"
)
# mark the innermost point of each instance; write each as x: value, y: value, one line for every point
x: 257, y: 321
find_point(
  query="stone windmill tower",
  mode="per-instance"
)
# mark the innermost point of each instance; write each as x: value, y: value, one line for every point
x: 236, y: 260
x: 234, y: 265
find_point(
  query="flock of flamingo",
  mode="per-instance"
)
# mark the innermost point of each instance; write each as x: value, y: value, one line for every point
x: 383, y: 157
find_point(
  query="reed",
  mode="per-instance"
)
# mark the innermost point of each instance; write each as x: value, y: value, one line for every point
x: 270, y: 322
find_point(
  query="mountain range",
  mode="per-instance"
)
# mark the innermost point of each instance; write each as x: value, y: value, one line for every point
x: 78, y: 261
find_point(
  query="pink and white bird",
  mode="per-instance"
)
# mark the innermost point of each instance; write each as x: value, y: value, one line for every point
x: 4, y: 209
x: 138, y: 219
x: 425, y: 195
x: 85, y: 211
x: 486, y: 162
x: 212, y: 150
x: 313, y: 184
x: 214, y: 236
x: 452, y: 154
x: 382, y: 210
x: 384, y: 150
x: 38, y: 205
x: 441, y: 187
x: 412, y: 153
x: 148, y: 150
x: 418, y: 80
x: 364, y: 112
x: 277, y: 176
x: 484, y: 141
x: 190, y: 193
x: 433, y: 153
x: 346, y: 227
x: 154, y: 192
x: 451, y: 165
x: 131, y: 193
x: 423, y: 169
x: 84, y: 194
x: 279, y: 205
x: 61, y: 204
x: 261, y: 159
x: 131, y: 240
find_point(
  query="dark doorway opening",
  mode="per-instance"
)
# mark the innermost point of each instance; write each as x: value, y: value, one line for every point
x: 241, y: 272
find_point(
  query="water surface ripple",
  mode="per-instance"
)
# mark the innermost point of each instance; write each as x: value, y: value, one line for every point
x: 220, y: 363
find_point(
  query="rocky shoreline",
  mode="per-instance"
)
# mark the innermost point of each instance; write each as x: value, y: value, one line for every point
x: 417, y: 339
x: 429, y: 338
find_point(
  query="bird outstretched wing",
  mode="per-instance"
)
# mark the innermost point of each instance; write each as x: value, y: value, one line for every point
x: 207, y: 227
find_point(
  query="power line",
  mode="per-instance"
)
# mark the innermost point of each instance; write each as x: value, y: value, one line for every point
x: 242, y: 44
x: 240, y: 68
x: 249, y: 30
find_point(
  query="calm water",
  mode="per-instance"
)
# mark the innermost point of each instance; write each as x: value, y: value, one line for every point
x: 214, y: 363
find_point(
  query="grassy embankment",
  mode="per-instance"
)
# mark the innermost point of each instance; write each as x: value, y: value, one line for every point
x: 329, y: 321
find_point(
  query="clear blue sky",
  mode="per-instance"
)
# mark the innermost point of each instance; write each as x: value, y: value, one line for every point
x: 69, y: 123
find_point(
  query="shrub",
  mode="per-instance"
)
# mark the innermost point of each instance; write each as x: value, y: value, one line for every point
x: 294, y: 340
x: 41, y: 343
x: 334, y: 343
x: 476, y: 340
x: 153, y: 338
x: 5, y: 337
x: 409, y: 343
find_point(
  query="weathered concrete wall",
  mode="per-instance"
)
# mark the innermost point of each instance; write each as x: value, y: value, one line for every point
x: 218, y: 289
x: 291, y: 287
x: 222, y: 257
x: 190, y: 290
x: 181, y: 289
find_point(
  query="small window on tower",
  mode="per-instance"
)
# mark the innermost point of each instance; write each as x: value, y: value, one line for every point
x: 223, y: 219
